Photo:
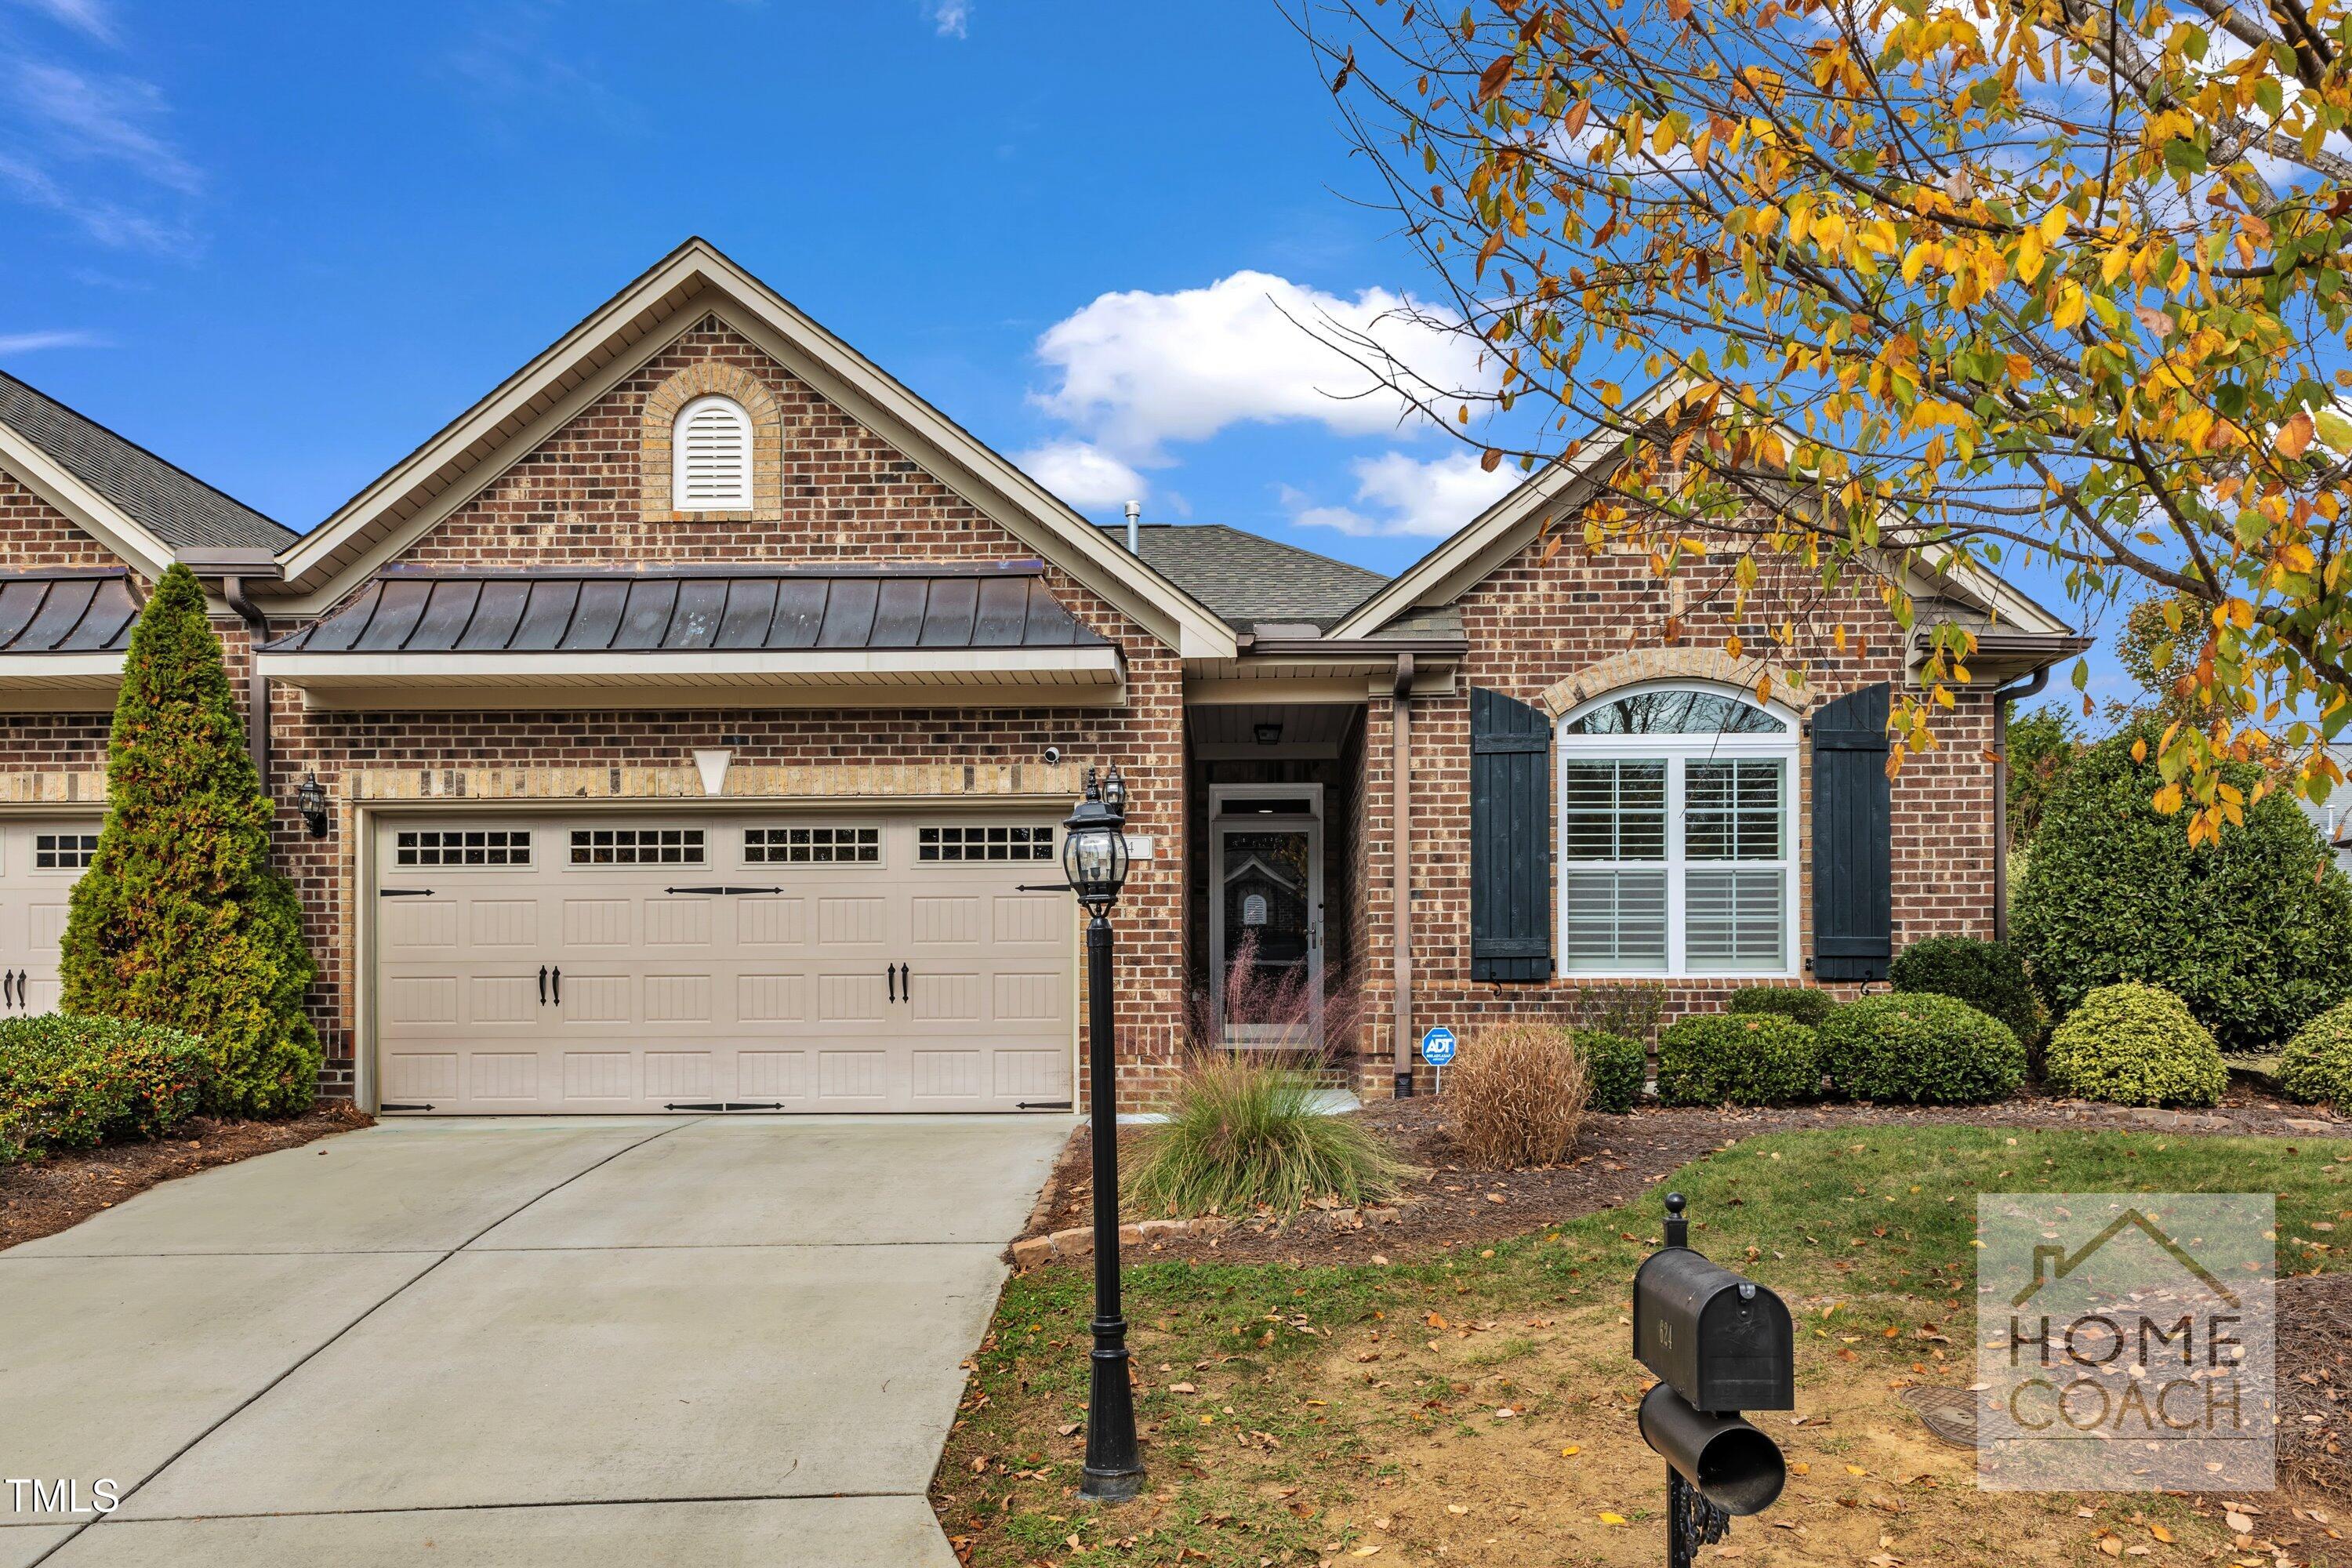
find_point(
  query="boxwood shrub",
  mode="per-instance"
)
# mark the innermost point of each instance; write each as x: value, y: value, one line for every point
x: 2317, y: 1063
x: 1614, y: 1068
x: 69, y: 1082
x: 1739, y: 1059
x: 2136, y: 1045
x: 1805, y: 1005
x: 1920, y: 1048
x: 1987, y: 976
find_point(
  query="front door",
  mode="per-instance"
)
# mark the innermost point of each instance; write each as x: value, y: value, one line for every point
x: 1266, y: 920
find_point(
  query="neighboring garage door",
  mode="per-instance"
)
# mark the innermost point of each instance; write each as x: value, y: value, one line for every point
x: 637, y: 962
x: 40, y: 862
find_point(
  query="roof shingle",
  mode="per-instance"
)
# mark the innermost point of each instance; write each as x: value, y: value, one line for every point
x: 173, y: 505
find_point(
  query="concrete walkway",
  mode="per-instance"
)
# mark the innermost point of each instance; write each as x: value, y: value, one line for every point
x: 568, y: 1341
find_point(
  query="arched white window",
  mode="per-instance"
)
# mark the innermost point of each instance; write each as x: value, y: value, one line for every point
x: 1678, y: 835
x: 710, y: 456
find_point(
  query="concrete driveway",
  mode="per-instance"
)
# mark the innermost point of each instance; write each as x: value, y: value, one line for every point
x: 574, y: 1342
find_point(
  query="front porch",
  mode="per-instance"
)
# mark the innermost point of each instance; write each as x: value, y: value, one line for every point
x: 1273, y: 877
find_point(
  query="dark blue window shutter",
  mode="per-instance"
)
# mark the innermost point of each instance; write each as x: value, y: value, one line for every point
x: 1511, y: 839
x: 1853, y: 838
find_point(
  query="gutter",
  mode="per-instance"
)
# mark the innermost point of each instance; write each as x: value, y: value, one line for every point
x: 235, y: 568
x: 1400, y: 869
x: 2002, y: 698
x: 1355, y: 647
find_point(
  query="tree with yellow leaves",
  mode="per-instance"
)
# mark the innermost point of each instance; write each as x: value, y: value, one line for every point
x: 1993, y: 283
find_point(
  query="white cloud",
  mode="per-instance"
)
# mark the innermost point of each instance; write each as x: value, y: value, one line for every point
x: 951, y: 18
x: 1139, y: 369
x: 1430, y: 500
x: 108, y: 222
x: 91, y: 118
x: 85, y: 17
x: 1082, y: 474
x: 32, y: 343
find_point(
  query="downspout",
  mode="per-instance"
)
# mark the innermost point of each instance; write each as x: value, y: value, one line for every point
x: 257, y: 704
x: 2002, y: 698
x: 1400, y: 866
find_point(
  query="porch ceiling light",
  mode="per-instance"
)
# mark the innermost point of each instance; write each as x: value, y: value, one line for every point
x: 1094, y: 847
x: 1268, y: 734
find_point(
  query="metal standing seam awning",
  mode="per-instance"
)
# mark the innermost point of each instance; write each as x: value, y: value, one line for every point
x: 708, y: 636
x: 62, y: 637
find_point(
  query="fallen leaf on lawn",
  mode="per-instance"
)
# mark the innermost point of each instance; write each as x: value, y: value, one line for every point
x: 1800, y: 1470
x: 1366, y: 1549
x: 1182, y: 1388
x: 1856, y: 1470
x: 2238, y: 1523
x: 1505, y: 1414
x: 2160, y: 1533
x: 1435, y: 1320
x: 1613, y: 1519
x: 1455, y: 1508
x: 1570, y: 1451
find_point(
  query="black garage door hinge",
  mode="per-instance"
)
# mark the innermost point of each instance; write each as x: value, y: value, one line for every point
x: 387, y: 1105
x: 404, y: 892
x: 1043, y: 1105
x: 721, y: 1105
x: 722, y: 890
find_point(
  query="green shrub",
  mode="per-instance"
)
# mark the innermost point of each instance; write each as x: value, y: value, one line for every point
x: 1751, y: 1059
x: 180, y: 921
x: 1920, y: 1048
x: 2317, y: 1063
x: 2254, y: 933
x: 1987, y: 976
x: 1615, y: 1067
x: 74, y: 1083
x: 2136, y: 1045
x: 1244, y: 1134
x: 1806, y: 1004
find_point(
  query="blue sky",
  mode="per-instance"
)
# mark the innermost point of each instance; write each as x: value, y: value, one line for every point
x: 282, y: 244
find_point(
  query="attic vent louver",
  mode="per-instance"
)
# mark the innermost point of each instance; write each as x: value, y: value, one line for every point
x: 711, y: 455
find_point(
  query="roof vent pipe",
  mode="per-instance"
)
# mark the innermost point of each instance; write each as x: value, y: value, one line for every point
x: 1135, y: 527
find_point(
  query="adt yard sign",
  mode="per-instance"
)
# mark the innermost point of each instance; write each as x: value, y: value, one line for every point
x: 1437, y: 1047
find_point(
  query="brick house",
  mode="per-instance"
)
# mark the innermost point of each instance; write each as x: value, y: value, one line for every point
x: 695, y: 715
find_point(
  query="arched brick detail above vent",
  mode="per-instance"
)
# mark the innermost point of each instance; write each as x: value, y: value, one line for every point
x: 1678, y: 662
x: 709, y: 378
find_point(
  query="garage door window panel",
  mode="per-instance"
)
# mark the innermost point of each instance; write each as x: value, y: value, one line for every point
x: 64, y: 851
x: 414, y: 848
x: 638, y: 847
x: 813, y: 846
x: 993, y: 843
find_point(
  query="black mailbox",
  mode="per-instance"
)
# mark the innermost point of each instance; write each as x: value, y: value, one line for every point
x: 1722, y: 1342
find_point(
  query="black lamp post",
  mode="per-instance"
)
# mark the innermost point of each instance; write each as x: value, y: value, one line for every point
x: 310, y: 800
x: 1094, y: 859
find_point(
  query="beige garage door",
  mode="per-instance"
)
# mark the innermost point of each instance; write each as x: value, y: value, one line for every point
x: 643, y: 963
x: 40, y: 859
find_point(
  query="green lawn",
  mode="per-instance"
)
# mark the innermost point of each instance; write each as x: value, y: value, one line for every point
x: 1273, y: 1442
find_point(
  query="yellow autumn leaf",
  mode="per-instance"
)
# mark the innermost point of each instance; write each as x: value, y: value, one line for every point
x: 2139, y: 749
x: 2294, y: 437
x: 1613, y: 1519
x: 2029, y: 256
x: 1570, y: 1451
x: 2073, y: 306
x: 1856, y: 1470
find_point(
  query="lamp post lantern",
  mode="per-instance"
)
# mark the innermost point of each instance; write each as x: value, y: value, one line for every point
x: 1095, y: 859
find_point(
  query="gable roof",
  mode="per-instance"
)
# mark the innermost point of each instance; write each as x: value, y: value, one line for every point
x: 1473, y: 552
x: 1250, y: 580
x: 695, y: 281
x: 157, y: 500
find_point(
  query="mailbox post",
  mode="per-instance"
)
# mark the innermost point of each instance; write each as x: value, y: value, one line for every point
x: 1719, y: 1344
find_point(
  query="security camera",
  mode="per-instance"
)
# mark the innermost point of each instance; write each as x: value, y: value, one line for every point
x: 1053, y: 755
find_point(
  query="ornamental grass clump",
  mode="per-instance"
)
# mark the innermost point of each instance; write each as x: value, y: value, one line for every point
x: 1516, y: 1095
x: 180, y: 920
x: 1244, y: 1134
x: 1922, y: 1048
x: 2317, y: 1063
x: 2136, y: 1045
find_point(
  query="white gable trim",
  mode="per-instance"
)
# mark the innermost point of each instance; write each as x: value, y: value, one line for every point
x: 1494, y: 536
x: 90, y: 511
x: 697, y: 280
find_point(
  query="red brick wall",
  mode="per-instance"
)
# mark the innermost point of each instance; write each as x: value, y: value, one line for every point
x: 846, y: 497
x: 1533, y: 623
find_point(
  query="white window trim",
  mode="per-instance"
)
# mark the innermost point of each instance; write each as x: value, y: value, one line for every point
x: 1675, y: 750
x: 680, y: 468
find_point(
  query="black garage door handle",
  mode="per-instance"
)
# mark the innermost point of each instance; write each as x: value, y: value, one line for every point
x: 559, y: 985
x: 542, y: 985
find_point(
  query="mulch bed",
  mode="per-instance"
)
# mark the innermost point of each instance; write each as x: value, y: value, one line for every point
x: 1618, y: 1158
x: 40, y: 1197
x: 2314, y: 1385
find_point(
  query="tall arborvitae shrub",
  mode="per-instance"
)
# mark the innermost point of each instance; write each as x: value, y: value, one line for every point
x: 180, y: 920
